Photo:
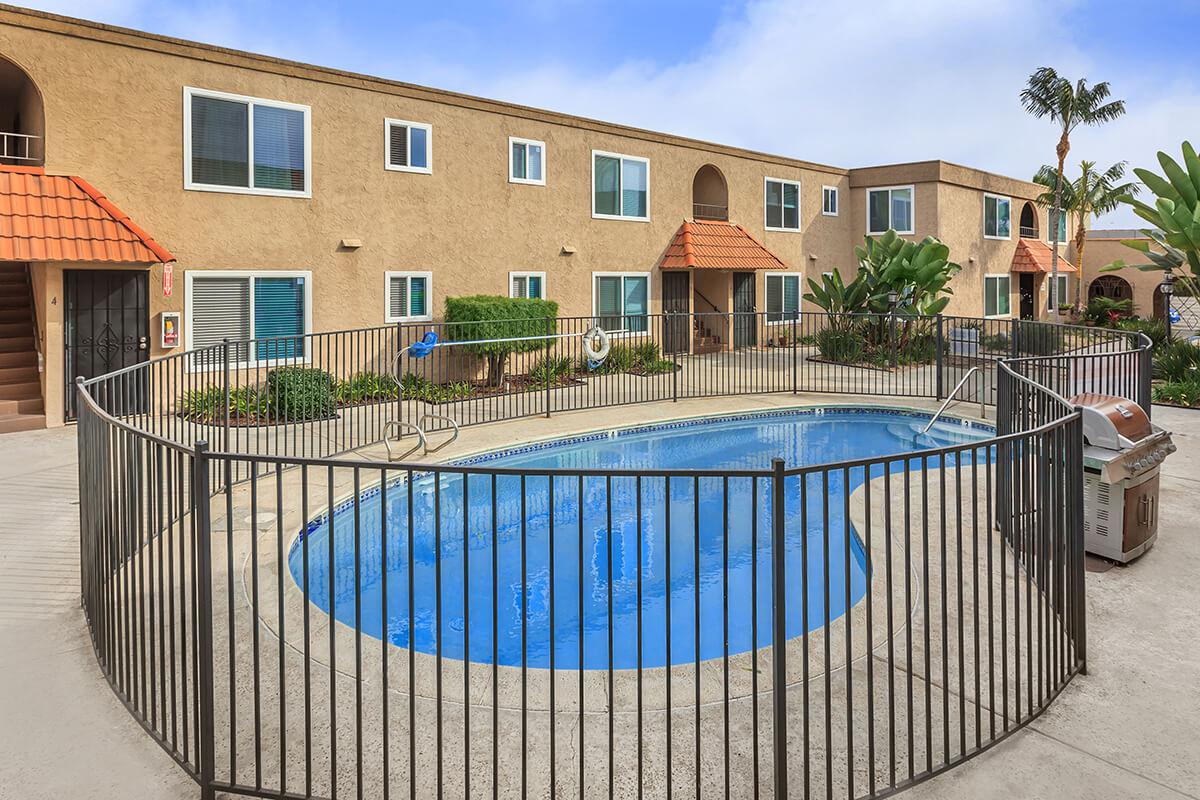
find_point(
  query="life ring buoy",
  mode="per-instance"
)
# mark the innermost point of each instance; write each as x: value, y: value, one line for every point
x: 596, y: 344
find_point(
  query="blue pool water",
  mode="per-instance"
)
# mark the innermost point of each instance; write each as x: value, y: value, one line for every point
x: 594, y: 571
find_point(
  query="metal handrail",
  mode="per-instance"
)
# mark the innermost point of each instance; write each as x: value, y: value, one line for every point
x: 453, y: 424
x: 950, y: 398
x: 397, y: 425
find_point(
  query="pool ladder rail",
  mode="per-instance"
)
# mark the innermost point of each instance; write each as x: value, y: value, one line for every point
x: 950, y: 399
x: 399, y: 427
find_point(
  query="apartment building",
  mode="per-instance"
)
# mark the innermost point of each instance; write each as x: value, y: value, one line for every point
x: 158, y: 194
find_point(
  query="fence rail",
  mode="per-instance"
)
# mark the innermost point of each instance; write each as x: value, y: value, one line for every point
x: 287, y: 619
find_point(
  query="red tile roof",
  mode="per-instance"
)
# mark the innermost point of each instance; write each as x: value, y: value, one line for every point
x: 717, y: 245
x: 1033, y: 255
x: 64, y: 218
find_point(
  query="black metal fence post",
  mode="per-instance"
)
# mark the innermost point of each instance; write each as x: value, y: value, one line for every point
x: 779, y: 629
x: 941, y: 346
x: 206, y: 747
x: 226, y: 398
x: 1075, y: 531
x: 1146, y: 376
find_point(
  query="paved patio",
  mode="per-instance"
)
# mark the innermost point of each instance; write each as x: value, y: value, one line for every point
x: 1126, y: 729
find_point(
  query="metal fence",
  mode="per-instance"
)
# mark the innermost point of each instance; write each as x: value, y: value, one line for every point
x: 287, y: 623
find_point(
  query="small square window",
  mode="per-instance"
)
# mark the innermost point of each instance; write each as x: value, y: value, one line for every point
x: 620, y: 186
x: 409, y: 146
x: 527, y: 284
x: 997, y: 220
x: 526, y: 161
x: 890, y: 208
x: 829, y: 201
x: 407, y: 296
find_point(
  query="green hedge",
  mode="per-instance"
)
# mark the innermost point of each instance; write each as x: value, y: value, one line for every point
x: 494, y: 317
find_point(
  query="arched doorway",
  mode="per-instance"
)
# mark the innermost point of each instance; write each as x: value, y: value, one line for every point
x: 1029, y: 222
x: 1112, y: 287
x: 22, y: 122
x: 710, y: 195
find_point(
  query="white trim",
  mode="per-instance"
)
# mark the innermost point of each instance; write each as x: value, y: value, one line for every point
x: 188, y: 184
x: 1006, y: 199
x: 1007, y: 275
x: 528, y: 181
x: 768, y: 179
x: 837, y: 201
x: 649, y: 286
x: 799, y: 296
x: 387, y: 145
x: 889, y: 189
x: 526, y: 274
x: 620, y: 171
x: 387, y: 293
x: 190, y: 275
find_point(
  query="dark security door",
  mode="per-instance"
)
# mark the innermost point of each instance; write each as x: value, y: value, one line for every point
x: 107, y: 327
x: 744, y: 323
x: 1027, y: 295
x: 677, y: 289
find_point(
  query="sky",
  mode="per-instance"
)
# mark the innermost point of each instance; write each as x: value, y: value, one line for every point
x: 849, y: 84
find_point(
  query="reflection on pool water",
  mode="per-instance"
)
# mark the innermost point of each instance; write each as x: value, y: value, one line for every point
x: 574, y: 571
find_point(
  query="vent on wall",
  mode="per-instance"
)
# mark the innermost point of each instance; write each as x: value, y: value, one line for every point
x: 1098, y: 502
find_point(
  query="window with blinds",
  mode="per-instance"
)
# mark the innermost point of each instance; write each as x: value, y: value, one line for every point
x: 271, y: 310
x: 621, y: 302
x: 620, y: 186
x: 526, y: 284
x: 409, y: 146
x: 783, y: 297
x: 782, y: 203
x: 246, y: 144
x: 407, y: 296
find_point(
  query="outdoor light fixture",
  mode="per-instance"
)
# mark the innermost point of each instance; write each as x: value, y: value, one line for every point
x: 1167, y: 287
x: 893, y: 297
x: 567, y: 250
x: 351, y: 244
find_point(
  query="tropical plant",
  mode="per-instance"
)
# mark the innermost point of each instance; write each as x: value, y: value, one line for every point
x: 364, y: 386
x: 1180, y: 393
x: 1177, y: 362
x: 841, y: 345
x: 1068, y: 105
x: 840, y: 301
x: 1091, y: 194
x: 550, y: 369
x: 1155, y: 330
x: 499, y: 326
x: 1107, y: 312
x: 918, y: 273
x: 1172, y: 245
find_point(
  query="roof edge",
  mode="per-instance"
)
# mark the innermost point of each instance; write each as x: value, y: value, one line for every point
x: 163, y: 254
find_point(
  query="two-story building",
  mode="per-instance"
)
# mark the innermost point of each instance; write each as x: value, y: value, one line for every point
x: 158, y: 194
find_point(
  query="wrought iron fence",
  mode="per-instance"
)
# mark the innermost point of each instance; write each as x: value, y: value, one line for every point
x: 288, y: 621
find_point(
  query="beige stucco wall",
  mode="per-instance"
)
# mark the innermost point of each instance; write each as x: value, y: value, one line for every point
x: 1098, y: 253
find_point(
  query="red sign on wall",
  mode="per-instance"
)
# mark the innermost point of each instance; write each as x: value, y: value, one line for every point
x: 168, y: 278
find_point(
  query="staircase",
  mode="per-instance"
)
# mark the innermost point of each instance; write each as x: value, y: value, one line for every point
x: 704, y: 340
x: 20, y: 387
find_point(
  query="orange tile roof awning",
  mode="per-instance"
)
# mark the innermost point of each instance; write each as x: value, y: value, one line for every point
x: 717, y: 245
x: 1034, y: 256
x: 64, y: 218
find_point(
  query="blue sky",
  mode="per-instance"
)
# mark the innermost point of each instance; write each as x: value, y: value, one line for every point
x: 840, y: 83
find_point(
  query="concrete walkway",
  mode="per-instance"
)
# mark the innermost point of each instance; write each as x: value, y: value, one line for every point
x: 1128, y: 729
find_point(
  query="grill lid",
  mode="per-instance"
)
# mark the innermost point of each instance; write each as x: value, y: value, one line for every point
x: 1113, y: 423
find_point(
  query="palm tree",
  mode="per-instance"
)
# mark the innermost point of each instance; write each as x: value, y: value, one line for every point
x: 1091, y: 194
x: 1069, y: 105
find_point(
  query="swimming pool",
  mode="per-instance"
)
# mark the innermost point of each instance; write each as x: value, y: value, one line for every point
x: 607, y: 567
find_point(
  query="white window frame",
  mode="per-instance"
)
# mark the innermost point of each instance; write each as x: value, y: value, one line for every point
x: 997, y: 197
x: 889, y: 190
x: 387, y: 295
x: 526, y: 275
x: 837, y: 201
x: 623, y: 157
x: 527, y: 181
x: 189, y: 276
x: 1007, y: 275
x: 799, y: 295
x: 1065, y: 277
x: 387, y: 146
x: 649, y: 286
x: 188, y: 184
x: 799, y: 222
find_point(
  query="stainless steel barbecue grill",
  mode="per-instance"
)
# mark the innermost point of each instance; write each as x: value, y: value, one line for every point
x: 1122, y: 455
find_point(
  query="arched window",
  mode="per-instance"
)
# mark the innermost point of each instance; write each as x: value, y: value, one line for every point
x: 1029, y: 222
x: 710, y: 195
x: 1112, y: 287
x: 22, y: 125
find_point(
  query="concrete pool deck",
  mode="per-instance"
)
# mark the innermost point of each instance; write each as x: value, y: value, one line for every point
x: 1126, y: 729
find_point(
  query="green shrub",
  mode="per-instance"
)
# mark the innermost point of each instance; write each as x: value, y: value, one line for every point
x: 1038, y: 338
x: 842, y: 346
x: 1106, y: 312
x: 208, y: 405
x: 1181, y: 393
x: 495, y: 317
x: 1155, y: 329
x: 418, y: 387
x: 644, y: 358
x: 996, y: 342
x: 365, y: 386
x: 1178, y: 362
x: 300, y: 393
x: 550, y: 369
